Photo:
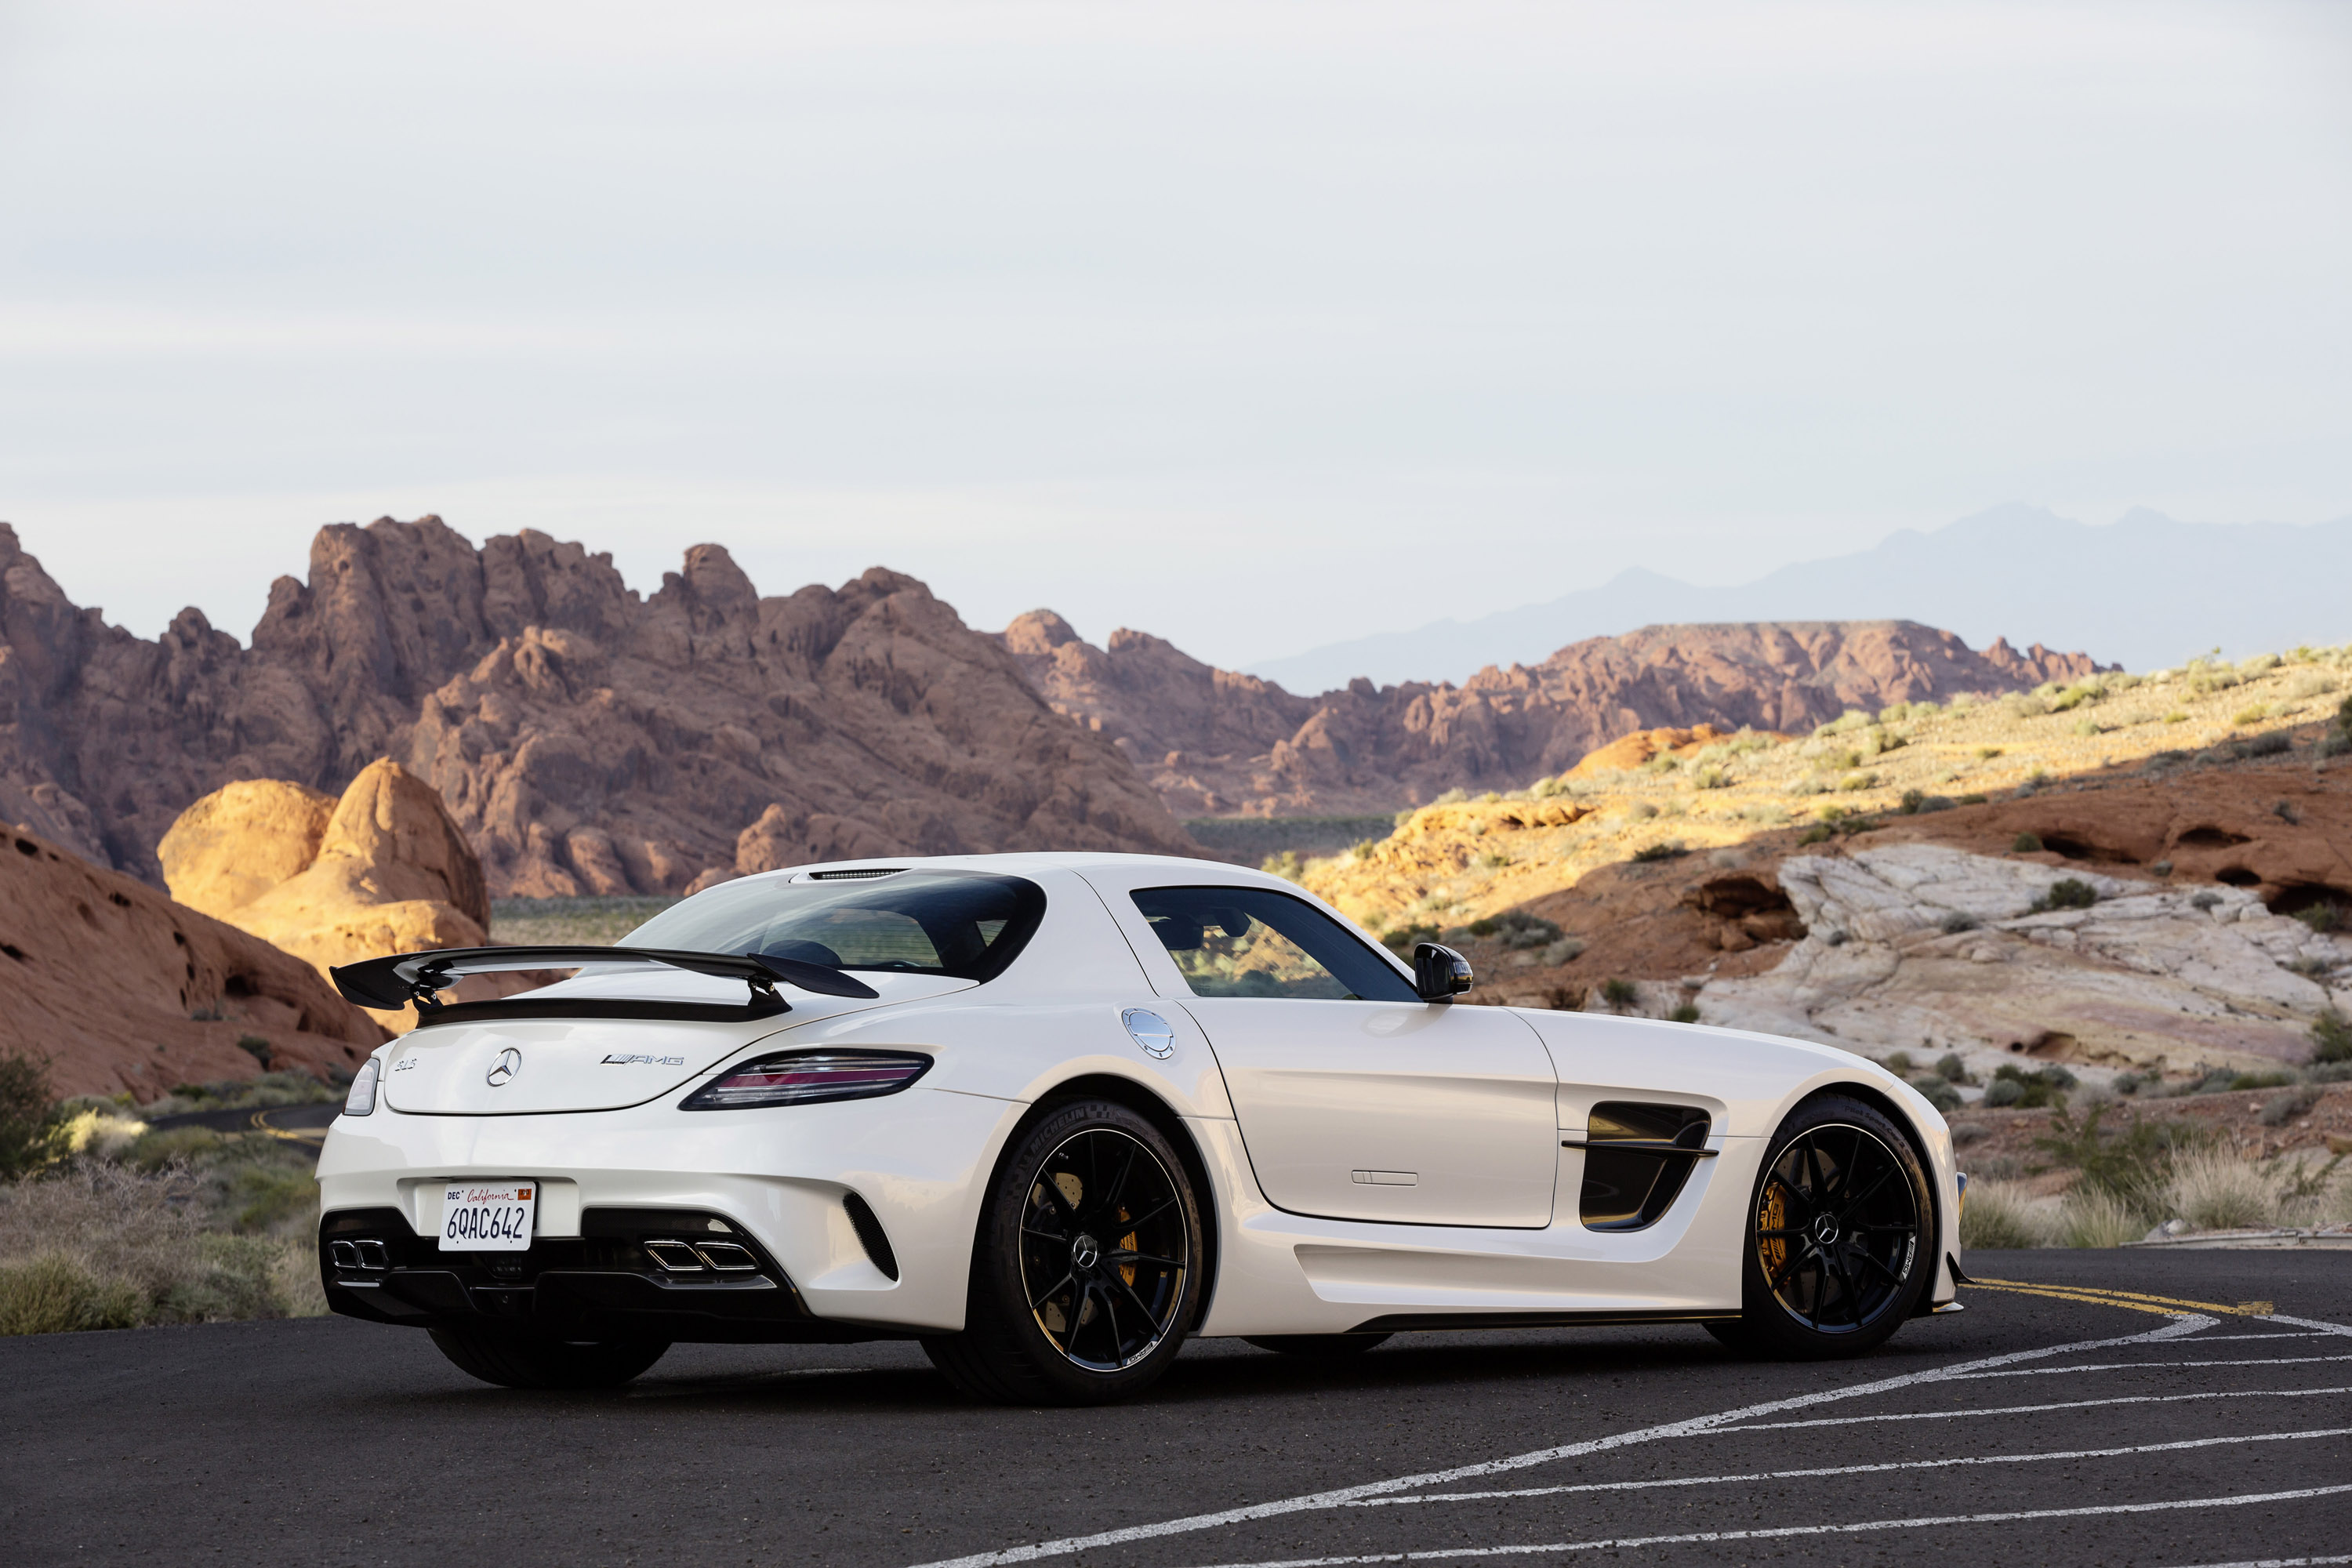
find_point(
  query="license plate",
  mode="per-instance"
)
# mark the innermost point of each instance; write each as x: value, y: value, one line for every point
x: 487, y: 1216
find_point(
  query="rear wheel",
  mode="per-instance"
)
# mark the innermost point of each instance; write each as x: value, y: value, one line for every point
x: 1088, y: 1270
x: 1835, y: 1252
x: 1331, y: 1347
x: 519, y: 1359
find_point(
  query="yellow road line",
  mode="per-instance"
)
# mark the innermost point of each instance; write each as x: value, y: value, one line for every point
x: 2131, y: 1300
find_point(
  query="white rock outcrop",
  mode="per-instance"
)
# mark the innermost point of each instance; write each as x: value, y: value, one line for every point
x: 1923, y: 948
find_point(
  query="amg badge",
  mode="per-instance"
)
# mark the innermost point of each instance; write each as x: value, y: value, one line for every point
x: 618, y: 1060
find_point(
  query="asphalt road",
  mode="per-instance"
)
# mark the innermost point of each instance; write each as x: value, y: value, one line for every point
x: 2053, y: 1426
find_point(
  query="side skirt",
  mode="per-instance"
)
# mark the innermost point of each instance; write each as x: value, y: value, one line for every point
x: 1421, y: 1322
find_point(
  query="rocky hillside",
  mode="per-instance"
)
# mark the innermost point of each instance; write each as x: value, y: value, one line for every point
x: 586, y: 740
x: 1215, y: 742
x: 2123, y: 874
x: 118, y: 989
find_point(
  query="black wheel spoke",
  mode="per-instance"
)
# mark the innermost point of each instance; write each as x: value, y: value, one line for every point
x: 1110, y: 1322
x: 1796, y: 1254
x: 1788, y: 1188
x: 1886, y: 1230
x: 1847, y: 1205
x: 1122, y: 1258
x: 1107, y: 1206
x: 1049, y: 1292
x: 1150, y: 1319
x: 1845, y: 1282
x: 1060, y: 1235
x: 1892, y: 1278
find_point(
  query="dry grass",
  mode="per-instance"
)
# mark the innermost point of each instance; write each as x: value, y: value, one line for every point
x: 2213, y: 1189
x: 2093, y: 1216
x: 2000, y: 1216
x: 99, y: 1244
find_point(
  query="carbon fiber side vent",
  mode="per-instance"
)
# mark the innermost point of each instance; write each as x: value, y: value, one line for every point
x: 870, y: 1233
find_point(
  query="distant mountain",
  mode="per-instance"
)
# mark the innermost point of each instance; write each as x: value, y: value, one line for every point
x: 586, y: 740
x: 2146, y: 591
x: 1213, y: 742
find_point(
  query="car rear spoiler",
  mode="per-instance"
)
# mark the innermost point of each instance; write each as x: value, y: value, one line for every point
x: 389, y: 983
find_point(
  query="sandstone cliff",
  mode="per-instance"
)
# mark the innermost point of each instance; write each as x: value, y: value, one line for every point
x: 121, y: 989
x: 383, y: 871
x: 1213, y: 742
x: 586, y: 740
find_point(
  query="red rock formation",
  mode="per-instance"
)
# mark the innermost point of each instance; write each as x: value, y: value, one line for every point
x: 1213, y: 742
x: 119, y: 988
x: 586, y: 740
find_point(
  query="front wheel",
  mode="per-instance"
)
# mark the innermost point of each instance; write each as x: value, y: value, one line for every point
x: 518, y: 1359
x: 1086, y: 1273
x: 1836, y: 1246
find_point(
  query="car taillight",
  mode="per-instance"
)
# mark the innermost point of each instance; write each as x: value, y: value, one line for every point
x: 362, y: 1098
x: 805, y: 1078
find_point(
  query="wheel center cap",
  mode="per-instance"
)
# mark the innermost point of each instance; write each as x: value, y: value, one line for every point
x: 1825, y: 1231
x: 1085, y: 1252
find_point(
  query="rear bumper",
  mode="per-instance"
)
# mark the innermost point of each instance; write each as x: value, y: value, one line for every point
x: 605, y: 1284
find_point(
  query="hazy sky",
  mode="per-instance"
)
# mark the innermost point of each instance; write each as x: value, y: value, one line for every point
x: 1257, y: 325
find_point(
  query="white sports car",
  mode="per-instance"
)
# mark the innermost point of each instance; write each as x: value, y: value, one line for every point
x: 1051, y: 1114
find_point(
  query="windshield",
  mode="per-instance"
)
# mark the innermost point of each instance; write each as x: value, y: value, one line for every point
x: 965, y: 924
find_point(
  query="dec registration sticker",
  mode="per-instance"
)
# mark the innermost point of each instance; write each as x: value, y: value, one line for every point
x: 487, y: 1216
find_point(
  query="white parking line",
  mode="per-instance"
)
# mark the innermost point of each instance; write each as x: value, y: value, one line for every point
x: 2168, y: 1365
x: 2188, y: 1323
x: 1853, y: 1469
x: 2021, y: 1409
x: 1784, y: 1531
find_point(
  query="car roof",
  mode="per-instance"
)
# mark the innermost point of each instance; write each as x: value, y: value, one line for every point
x: 1020, y: 861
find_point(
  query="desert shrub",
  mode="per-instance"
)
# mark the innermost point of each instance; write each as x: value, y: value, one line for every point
x: 2260, y: 664
x: 1287, y: 864
x: 2067, y: 893
x: 2134, y: 1165
x: 1967, y: 1133
x: 172, y: 1145
x: 2310, y: 684
x: 2047, y: 1086
x: 1858, y: 781
x: 2073, y: 697
x: 2093, y: 1216
x: 1641, y: 811
x: 2126, y: 1083
x: 2284, y: 1107
x: 2026, y: 844
x: 1808, y: 786
x: 2216, y: 1190
x: 1951, y: 1068
x: 1492, y: 860
x: 1620, y: 994
x: 1711, y: 778
x: 2089, y: 727
x: 1987, y: 754
x: 2331, y: 1037
x: 32, y: 1132
x: 1818, y: 833
x: 1452, y: 797
x: 1939, y: 1094
x: 1363, y: 848
x: 2204, y: 899
x: 2000, y: 1217
x: 1663, y: 762
x: 96, y: 1245
x: 56, y: 1293
x: 2004, y: 1092
x: 1561, y: 951
x: 2320, y: 918
x: 1685, y: 1014
x: 2161, y: 869
x: 1897, y: 1062
x: 1959, y: 920
x: 2270, y: 744
x: 1664, y: 849
x: 1402, y: 939
x: 1972, y: 800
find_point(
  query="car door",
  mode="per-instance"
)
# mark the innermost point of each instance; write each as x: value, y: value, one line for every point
x: 1356, y: 1099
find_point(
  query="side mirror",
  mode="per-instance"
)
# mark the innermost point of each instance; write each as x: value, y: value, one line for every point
x: 1439, y: 973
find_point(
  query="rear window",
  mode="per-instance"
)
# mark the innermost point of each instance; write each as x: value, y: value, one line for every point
x: 1252, y: 942
x: 965, y: 924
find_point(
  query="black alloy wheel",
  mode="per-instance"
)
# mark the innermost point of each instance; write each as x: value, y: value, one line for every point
x: 1840, y: 1236
x: 1087, y: 1271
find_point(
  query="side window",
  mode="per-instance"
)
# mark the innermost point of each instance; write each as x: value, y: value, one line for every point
x: 1250, y: 941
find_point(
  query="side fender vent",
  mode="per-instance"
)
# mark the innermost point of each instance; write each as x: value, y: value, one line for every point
x: 1636, y: 1160
x: 870, y: 1233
